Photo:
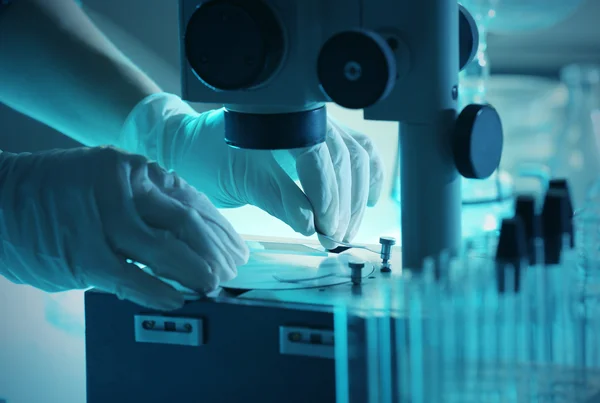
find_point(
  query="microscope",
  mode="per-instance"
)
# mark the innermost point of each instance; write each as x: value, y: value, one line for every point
x: 273, y: 65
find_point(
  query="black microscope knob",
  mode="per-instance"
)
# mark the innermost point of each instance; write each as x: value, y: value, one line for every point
x: 234, y: 44
x: 511, y: 252
x: 525, y: 209
x: 556, y: 224
x: 563, y: 185
x: 356, y: 69
x: 477, y: 141
x: 512, y: 243
x: 468, y: 36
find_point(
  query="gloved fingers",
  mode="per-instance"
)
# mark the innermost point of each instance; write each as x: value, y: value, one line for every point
x: 272, y: 190
x: 192, y: 219
x: 340, y: 157
x: 187, y: 243
x: 128, y: 281
x: 233, y: 246
x: 318, y: 179
x: 167, y: 257
x: 167, y: 252
x: 376, y: 167
x: 360, y: 184
x: 161, y: 177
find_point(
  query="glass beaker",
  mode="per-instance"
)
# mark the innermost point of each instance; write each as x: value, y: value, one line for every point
x: 532, y: 110
x: 473, y: 78
x: 577, y: 155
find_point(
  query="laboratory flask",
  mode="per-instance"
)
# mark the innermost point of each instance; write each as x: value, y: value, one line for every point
x: 577, y: 156
x: 587, y: 240
x: 473, y: 78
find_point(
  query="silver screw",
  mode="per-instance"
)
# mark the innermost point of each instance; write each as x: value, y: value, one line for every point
x: 386, y: 252
x: 356, y: 269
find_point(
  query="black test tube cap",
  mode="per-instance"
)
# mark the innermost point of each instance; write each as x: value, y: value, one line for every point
x: 557, y: 220
x: 525, y: 209
x: 563, y: 185
x: 511, y: 250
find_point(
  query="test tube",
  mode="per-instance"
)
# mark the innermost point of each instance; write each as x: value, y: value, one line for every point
x: 342, y: 358
x: 525, y: 322
x: 490, y: 303
x: 431, y: 318
x: 402, y: 357
x: 416, y: 352
x: 544, y: 354
x: 473, y: 313
x: 507, y: 317
x: 379, y: 352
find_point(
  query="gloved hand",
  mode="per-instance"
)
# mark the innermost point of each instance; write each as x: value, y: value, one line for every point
x: 70, y: 220
x: 339, y: 178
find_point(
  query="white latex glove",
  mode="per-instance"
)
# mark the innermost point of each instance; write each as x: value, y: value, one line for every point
x: 338, y: 178
x: 70, y: 219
